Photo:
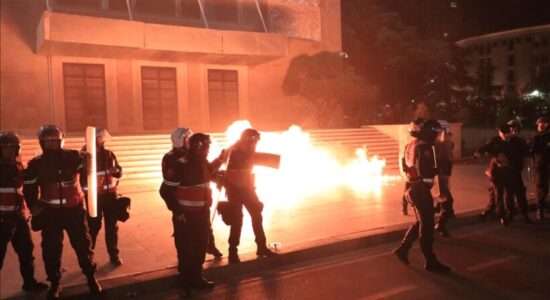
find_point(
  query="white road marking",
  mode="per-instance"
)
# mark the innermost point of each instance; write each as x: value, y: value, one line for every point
x: 490, y: 263
x: 390, y: 293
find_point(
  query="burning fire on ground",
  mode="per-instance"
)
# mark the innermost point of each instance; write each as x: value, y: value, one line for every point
x: 306, y: 169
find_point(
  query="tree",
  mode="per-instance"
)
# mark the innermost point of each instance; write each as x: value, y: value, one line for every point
x: 337, y: 95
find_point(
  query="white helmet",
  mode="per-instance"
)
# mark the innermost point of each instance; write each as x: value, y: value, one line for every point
x: 445, y: 125
x: 178, y: 136
x: 102, y: 132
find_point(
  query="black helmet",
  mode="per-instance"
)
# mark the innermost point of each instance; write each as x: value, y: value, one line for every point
x: 415, y: 124
x: 198, y: 140
x: 504, y: 128
x: 50, y: 132
x: 249, y: 135
x: 543, y: 120
x: 428, y: 131
x: 10, y: 138
x: 514, y: 123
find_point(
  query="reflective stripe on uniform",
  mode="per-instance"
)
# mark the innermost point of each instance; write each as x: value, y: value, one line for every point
x: 68, y: 183
x: 102, y: 173
x: 8, y: 207
x: 191, y: 203
x: 428, y: 180
x: 30, y: 181
x: 170, y: 183
x: 8, y: 190
x: 55, y: 201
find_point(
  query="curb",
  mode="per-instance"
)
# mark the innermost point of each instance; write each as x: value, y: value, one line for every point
x: 130, y: 286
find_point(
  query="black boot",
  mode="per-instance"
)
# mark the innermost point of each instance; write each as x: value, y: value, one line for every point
x: 435, y: 266
x: 233, y: 256
x: 212, y: 250
x: 540, y: 214
x: 55, y: 290
x: 526, y: 219
x: 402, y: 254
x: 504, y: 221
x: 202, y: 284
x: 32, y: 285
x: 263, y: 251
x: 116, y: 261
x: 93, y: 285
x: 442, y: 230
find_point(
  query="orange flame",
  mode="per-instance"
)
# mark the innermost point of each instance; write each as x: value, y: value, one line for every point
x: 306, y: 169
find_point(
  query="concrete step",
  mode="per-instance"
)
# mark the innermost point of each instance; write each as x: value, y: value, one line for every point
x: 140, y: 155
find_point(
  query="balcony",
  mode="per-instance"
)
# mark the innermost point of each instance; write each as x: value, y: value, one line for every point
x: 64, y: 34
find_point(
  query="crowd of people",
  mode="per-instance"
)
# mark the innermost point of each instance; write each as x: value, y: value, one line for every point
x: 53, y: 189
x: 53, y: 186
x: 429, y: 155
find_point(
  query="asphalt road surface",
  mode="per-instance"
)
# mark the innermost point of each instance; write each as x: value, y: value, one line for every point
x: 488, y: 262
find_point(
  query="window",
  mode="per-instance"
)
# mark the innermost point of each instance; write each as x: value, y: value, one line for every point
x: 222, y: 10
x: 84, y: 90
x: 157, y: 7
x: 511, y: 76
x: 79, y: 3
x: 510, y: 44
x: 511, y: 60
x: 488, y: 49
x: 159, y: 96
x: 503, y: 43
x: 518, y: 40
x: 223, y: 98
x: 528, y: 39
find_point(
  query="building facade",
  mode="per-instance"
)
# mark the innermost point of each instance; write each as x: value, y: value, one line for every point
x: 512, y: 61
x: 142, y: 66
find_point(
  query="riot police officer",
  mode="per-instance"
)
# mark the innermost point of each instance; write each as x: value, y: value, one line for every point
x: 444, y: 155
x: 108, y: 173
x: 240, y: 187
x: 52, y: 189
x: 420, y: 170
x: 187, y: 193
x: 499, y: 172
x: 14, y: 224
x: 180, y: 147
x: 413, y: 126
x: 519, y: 152
x: 540, y: 153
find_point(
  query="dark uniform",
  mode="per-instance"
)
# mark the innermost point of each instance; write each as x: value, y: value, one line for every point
x: 540, y: 152
x: 421, y: 169
x: 519, y: 151
x: 108, y: 173
x: 500, y: 174
x: 186, y: 191
x: 241, y: 191
x: 14, y: 224
x: 52, y: 186
x: 169, y: 160
x: 444, y: 157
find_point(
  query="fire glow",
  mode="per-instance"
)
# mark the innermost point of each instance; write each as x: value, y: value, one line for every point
x: 306, y: 169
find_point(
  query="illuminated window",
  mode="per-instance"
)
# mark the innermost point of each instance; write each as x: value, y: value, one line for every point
x: 453, y: 4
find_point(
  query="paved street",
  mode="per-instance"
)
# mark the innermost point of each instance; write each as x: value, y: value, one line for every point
x: 146, y: 243
x: 488, y: 261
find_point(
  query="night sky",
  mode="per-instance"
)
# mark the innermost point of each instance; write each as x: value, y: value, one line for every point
x: 486, y: 16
